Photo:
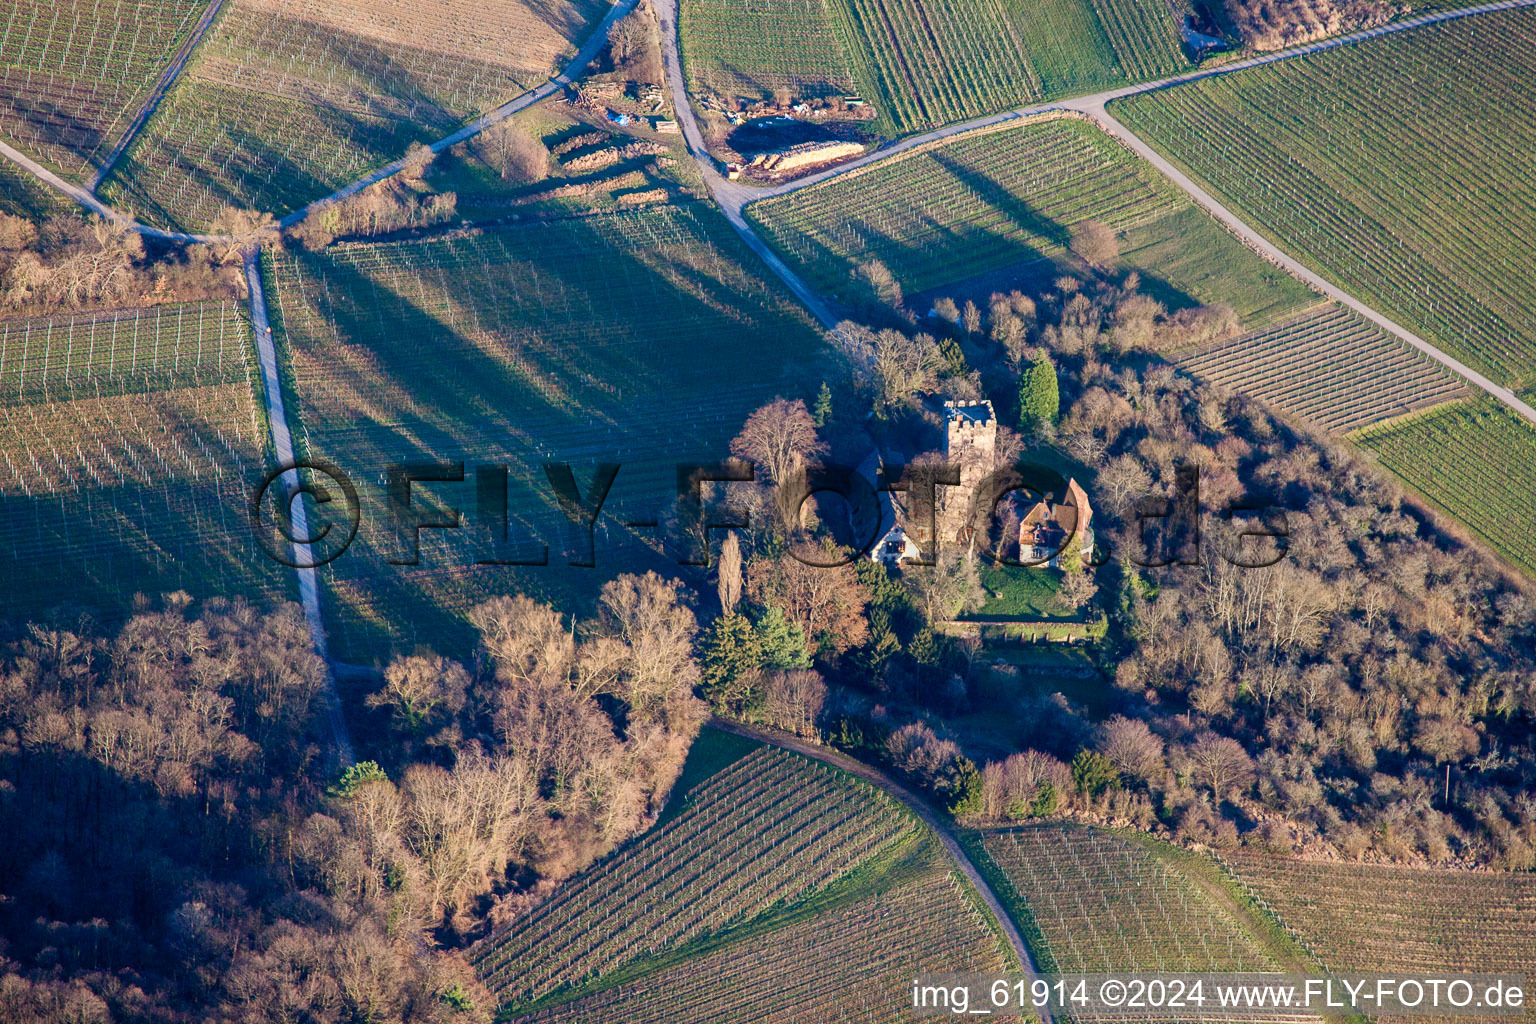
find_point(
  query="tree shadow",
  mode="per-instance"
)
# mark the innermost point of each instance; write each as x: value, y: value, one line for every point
x: 553, y: 341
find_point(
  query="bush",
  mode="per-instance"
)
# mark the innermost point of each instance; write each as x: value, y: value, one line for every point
x: 1094, y: 774
x: 1095, y: 242
x: 1039, y: 397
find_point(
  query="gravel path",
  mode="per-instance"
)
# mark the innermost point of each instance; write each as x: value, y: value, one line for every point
x: 282, y: 447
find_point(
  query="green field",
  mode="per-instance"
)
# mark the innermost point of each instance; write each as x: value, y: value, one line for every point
x: 1330, y: 368
x: 277, y: 109
x: 130, y: 442
x: 1007, y: 196
x: 1476, y: 460
x: 1379, y: 166
x: 73, y: 73
x: 641, y: 338
x: 753, y: 47
x: 1100, y: 902
x: 1379, y: 918
x: 774, y: 862
x: 924, y: 64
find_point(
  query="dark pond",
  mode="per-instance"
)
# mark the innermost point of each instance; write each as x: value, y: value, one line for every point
x: 773, y: 134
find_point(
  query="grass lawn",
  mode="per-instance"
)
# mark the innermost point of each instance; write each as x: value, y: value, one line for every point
x: 713, y: 751
x: 1026, y: 594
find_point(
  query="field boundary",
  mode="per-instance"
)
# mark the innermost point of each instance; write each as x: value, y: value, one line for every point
x: 1296, y: 269
x: 282, y: 451
x: 151, y: 103
x: 573, y: 67
x: 925, y: 814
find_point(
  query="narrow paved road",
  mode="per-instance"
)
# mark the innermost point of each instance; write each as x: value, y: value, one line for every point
x: 86, y: 197
x: 941, y: 827
x: 734, y: 198
x: 282, y: 447
x: 162, y: 86
x: 90, y: 202
x: 730, y: 196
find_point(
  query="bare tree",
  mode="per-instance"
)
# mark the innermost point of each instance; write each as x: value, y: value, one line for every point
x: 780, y: 437
x: 828, y: 603
x: 654, y: 670
x: 16, y: 233
x: 1077, y: 590
x: 947, y: 588
x: 1220, y: 762
x: 418, y: 160
x: 792, y: 701
x: 896, y: 365
x: 883, y: 287
x: 635, y: 45
x: 1132, y: 748
x: 242, y: 229
x: 1095, y: 242
x: 970, y: 318
x: 513, y: 152
x: 422, y: 691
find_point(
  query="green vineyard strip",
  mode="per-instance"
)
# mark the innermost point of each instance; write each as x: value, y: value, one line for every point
x: 751, y: 49
x: 1101, y: 903
x: 1475, y: 459
x: 1378, y: 918
x: 1329, y: 367
x: 1002, y: 197
x: 850, y: 964
x: 925, y: 63
x: 120, y: 351
x: 739, y: 848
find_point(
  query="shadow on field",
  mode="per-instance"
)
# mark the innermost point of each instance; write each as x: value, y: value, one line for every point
x: 554, y: 341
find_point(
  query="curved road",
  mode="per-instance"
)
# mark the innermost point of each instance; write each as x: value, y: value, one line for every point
x: 730, y: 196
x: 733, y: 197
x: 741, y: 195
x: 917, y: 806
x: 1257, y: 241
